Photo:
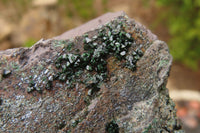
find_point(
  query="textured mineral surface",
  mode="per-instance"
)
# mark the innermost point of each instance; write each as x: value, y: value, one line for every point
x: 106, y: 76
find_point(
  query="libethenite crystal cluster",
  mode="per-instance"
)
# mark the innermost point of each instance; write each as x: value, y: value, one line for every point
x: 91, y: 65
x: 81, y: 60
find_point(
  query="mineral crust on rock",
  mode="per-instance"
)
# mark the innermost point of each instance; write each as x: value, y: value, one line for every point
x: 106, y: 76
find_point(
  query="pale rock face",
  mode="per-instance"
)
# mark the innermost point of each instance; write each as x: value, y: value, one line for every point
x: 108, y: 75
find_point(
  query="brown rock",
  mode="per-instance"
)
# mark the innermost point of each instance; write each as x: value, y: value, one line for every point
x: 108, y: 75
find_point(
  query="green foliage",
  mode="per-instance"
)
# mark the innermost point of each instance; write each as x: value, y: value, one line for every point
x: 104, y: 2
x: 183, y: 18
x: 84, y: 8
x: 79, y: 8
x: 29, y: 42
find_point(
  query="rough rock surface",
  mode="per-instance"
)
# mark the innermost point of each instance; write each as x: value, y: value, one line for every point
x: 108, y: 75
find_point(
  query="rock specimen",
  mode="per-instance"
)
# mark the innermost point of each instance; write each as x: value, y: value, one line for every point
x: 108, y: 75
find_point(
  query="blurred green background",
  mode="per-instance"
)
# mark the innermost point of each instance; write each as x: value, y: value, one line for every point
x: 183, y: 22
x: 177, y: 22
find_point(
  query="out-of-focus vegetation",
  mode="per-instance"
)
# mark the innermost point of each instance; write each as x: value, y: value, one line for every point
x: 70, y: 10
x: 183, y: 19
x: 29, y: 42
x: 81, y: 8
x: 19, y: 6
